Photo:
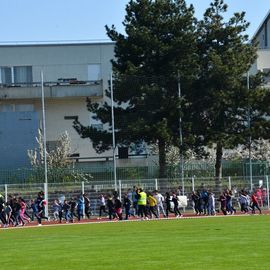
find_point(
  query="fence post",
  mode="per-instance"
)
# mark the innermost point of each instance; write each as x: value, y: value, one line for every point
x: 193, y: 184
x: 230, y: 183
x: 156, y: 184
x: 267, y: 187
x: 6, y: 192
x: 183, y: 187
x: 120, y: 190
x: 46, y: 199
x: 83, y: 199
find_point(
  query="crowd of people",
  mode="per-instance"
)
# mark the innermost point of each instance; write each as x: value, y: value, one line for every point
x: 204, y: 202
x: 15, y: 210
x: 136, y: 203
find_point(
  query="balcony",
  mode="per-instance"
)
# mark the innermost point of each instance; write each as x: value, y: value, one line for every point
x: 63, y: 88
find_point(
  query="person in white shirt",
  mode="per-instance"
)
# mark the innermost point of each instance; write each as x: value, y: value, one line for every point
x: 160, y: 199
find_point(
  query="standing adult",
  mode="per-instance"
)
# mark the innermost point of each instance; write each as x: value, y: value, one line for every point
x: 142, y: 201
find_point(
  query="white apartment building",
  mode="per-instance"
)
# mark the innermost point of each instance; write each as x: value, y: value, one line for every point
x: 262, y: 37
x: 71, y: 72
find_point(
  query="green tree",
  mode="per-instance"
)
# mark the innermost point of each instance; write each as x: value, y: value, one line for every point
x: 159, y: 45
x: 220, y: 100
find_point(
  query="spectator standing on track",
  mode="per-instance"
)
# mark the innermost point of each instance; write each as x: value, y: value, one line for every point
x: 175, y: 201
x: 142, y: 201
x: 255, y: 203
x: 102, y: 205
x: 160, y: 199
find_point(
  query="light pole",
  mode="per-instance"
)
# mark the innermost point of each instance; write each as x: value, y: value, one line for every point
x: 250, y: 140
x: 44, y: 143
x: 113, y: 134
x: 181, y: 137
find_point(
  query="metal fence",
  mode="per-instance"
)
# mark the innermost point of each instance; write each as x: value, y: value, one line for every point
x: 87, y: 172
x: 93, y: 189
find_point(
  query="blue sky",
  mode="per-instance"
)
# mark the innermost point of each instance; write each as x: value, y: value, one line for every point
x: 54, y: 20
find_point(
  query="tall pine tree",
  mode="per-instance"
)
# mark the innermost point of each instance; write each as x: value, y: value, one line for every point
x: 159, y: 46
x: 220, y: 100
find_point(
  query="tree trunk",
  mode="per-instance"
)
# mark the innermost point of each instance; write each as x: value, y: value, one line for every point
x: 162, y: 158
x: 218, y: 167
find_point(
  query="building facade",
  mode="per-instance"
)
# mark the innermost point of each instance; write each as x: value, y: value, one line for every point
x: 262, y: 38
x: 72, y: 72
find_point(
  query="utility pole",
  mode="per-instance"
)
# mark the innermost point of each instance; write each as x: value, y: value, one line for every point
x: 181, y: 138
x: 113, y: 135
x: 250, y: 140
x: 44, y: 143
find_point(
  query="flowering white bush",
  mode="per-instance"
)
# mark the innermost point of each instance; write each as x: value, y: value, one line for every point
x: 260, y: 150
x: 57, y: 158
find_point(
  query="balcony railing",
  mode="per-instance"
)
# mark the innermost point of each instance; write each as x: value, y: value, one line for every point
x: 52, y: 89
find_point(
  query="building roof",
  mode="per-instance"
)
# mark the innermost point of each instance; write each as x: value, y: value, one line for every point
x: 266, y: 18
x: 55, y: 43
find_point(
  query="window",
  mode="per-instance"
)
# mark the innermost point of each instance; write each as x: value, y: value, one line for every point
x: 94, y: 72
x: 23, y: 74
x: 16, y: 75
x: 6, y: 75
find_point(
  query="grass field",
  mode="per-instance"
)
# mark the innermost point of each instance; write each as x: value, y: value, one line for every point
x: 201, y: 243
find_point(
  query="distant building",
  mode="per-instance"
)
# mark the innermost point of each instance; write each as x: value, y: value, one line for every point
x: 262, y: 37
x: 72, y: 72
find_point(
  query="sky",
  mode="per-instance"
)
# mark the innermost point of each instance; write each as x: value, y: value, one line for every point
x: 84, y: 20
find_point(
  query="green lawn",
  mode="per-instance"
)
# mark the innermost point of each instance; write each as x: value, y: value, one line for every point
x: 210, y: 243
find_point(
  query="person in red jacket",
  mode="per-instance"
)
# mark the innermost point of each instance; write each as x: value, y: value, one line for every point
x: 254, y: 203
